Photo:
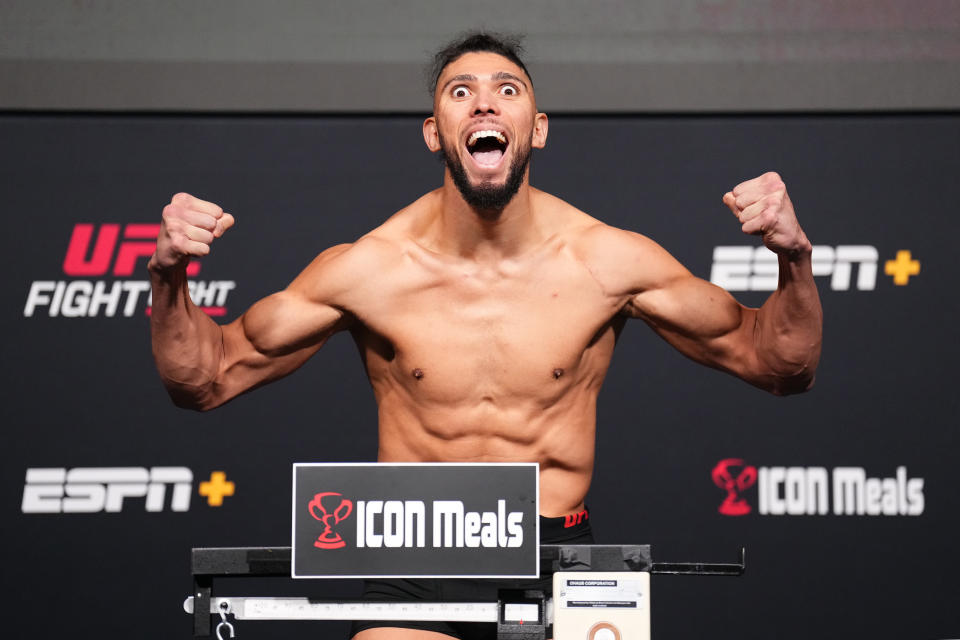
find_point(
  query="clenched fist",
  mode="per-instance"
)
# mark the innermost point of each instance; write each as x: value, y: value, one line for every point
x: 764, y: 209
x: 189, y: 226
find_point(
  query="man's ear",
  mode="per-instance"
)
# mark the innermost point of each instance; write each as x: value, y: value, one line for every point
x: 540, y: 126
x: 430, y: 134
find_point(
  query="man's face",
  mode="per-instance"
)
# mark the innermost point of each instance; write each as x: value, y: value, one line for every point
x: 485, y: 122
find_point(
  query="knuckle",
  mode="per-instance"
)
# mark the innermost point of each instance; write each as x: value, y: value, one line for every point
x: 175, y: 227
x: 173, y: 214
x: 182, y: 198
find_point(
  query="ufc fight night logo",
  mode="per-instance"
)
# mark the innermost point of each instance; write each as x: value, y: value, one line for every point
x: 757, y: 268
x: 809, y: 491
x: 113, y: 251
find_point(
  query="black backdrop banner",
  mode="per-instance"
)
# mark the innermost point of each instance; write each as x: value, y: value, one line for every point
x: 846, y: 498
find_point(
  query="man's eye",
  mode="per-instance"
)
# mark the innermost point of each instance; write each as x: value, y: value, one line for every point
x: 460, y: 92
x: 508, y: 90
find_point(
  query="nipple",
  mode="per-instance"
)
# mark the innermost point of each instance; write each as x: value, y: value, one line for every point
x: 557, y: 373
x: 417, y: 373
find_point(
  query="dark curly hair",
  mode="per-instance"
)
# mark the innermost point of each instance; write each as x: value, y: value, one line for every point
x: 507, y: 46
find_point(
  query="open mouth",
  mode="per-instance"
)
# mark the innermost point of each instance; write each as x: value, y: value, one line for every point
x: 487, y: 147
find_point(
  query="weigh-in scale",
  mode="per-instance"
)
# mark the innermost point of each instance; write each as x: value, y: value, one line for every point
x: 600, y: 592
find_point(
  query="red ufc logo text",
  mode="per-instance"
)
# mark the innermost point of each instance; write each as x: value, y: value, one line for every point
x: 139, y: 241
x: 575, y: 519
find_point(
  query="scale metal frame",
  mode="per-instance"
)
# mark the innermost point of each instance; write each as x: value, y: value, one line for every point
x: 209, y: 563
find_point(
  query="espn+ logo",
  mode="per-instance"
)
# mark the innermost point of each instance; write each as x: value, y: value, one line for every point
x: 113, y: 251
x: 96, y: 489
x: 757, y: 268
x: 799, y: 491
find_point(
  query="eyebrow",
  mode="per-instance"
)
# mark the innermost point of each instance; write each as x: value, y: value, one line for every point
x: 506, y: 75
x: 463, y: 77
x: 499, y: 75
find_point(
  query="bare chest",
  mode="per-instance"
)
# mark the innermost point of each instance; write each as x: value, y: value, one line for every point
x: 461, y: 337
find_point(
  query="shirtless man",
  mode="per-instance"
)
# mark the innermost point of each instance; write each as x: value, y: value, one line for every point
x: 486, y: 312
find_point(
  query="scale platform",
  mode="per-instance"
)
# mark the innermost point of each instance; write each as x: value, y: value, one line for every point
x: 600, y: 591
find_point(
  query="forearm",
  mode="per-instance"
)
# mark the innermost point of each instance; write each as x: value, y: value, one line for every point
x: 187, y: 344
x: 789, y: 327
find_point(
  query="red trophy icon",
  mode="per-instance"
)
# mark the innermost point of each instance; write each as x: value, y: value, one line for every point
x: 734, y: 505
x: 328, y: 539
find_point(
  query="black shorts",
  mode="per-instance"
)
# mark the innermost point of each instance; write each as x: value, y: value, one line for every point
x: 568, y: 530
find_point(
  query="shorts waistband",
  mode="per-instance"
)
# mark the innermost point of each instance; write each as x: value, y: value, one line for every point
x: 565, y: 528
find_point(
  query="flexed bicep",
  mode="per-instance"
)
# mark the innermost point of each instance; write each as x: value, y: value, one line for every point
x: 288, y: 321
x: 702, y: 321
x: 280, y: 332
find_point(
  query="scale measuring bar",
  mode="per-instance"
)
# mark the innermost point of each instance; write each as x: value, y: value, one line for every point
x: 210, y: 564
x: 274, y: 608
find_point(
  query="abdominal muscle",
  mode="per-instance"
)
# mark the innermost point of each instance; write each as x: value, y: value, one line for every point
x: 499, y: 363
x: 560, y: 438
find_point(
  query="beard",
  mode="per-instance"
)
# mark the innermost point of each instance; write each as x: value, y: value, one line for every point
x: 487, y: 196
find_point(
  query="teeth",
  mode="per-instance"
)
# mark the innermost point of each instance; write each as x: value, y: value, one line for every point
x: 489, y: 133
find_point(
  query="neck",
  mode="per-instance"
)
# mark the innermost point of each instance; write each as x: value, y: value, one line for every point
x: 486, y: 234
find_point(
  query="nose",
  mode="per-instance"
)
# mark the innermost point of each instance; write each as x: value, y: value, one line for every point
x: 485, y: 103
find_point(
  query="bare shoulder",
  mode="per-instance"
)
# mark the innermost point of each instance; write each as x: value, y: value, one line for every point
x: 623, y: 262
x: 345, y: 269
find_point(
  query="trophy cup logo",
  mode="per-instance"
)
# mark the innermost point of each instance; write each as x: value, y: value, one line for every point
x: 328, y: 538
x: 734, y: 505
